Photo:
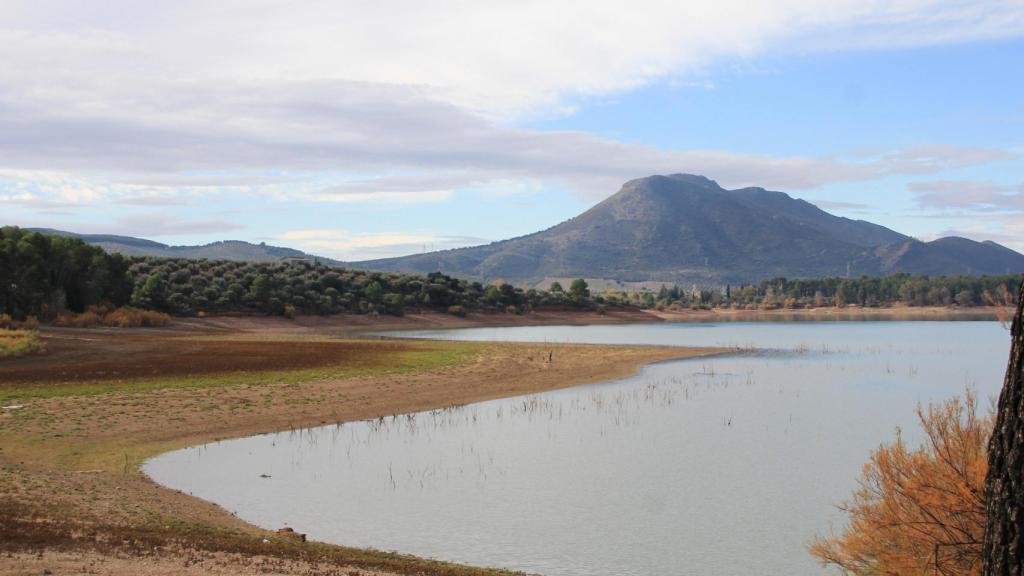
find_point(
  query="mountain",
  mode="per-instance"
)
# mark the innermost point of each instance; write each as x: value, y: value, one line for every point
x: 950, y: 255
x: 687, y: 229
x: 224, y: 250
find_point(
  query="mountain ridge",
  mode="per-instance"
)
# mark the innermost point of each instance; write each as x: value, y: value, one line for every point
x: 675, y: 228
x: 686, y: 228
x: 237, y: 250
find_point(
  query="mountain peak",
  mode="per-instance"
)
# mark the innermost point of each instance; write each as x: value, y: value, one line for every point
x: 685, y: 228
x: 672, y: 183
x: 695, y: 179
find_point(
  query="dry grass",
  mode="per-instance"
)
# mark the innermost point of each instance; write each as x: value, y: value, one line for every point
x: 30, y: 528
x: 124, y: 317
x: 15, y: 343
x: 69, y: 478
x: 8, y: 323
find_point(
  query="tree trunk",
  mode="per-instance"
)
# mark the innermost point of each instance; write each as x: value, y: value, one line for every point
x: 1004, y: 486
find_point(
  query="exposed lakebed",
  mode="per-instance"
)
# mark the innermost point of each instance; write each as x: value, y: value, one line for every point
x: 709, y: 466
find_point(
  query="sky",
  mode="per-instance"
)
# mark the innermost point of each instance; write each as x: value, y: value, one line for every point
x: 360, y: 130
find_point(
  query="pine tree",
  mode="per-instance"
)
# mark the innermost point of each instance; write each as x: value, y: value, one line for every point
x: 1003, y: 551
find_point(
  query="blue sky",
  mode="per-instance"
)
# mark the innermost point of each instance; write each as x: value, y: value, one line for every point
x: 358, y: 132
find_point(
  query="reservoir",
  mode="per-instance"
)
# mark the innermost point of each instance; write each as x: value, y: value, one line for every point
x: 709, y: 466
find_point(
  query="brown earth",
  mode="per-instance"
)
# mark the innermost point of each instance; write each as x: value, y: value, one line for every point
x: 100, y: 401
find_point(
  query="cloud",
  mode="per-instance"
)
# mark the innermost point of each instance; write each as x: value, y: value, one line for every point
x: 393, y: 189
x: 34, y: 202
x: 849, y: 206
x: 404, y: 101
x: 323, y: 133
x: 981, y: 210
x: 152, y: 200
x: 484, y: 56
x: 353, y: 246
x: 155, y: 225
x: 968, y: 195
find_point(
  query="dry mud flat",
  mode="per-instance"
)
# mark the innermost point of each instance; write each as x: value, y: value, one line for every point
x: 99, y: 402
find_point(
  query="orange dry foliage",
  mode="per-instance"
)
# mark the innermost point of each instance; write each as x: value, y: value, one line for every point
x: 124, y: 317
x: 1003, y: 301
x: 919, y: 511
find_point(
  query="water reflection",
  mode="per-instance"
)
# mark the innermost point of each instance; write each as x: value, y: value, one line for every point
x: 710, y: 466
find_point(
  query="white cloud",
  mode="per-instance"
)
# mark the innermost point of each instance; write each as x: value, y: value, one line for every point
x: 492, y: 56
x: 403, y: 101
x: 319, y: 135
x: 968, y: 195
x: 150, y: 225
x: 982, y: 210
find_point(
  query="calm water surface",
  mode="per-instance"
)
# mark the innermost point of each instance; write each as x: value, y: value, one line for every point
x: 718, y: 466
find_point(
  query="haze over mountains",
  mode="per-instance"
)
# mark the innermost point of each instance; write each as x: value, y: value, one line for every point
x: 678, y: 228
x: 687, y: 229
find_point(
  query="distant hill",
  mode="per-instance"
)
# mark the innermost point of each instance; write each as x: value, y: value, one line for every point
x: 223, y: 250
x: 687, y: 229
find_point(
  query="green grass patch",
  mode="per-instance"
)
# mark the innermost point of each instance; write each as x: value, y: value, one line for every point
x: 433, y: 357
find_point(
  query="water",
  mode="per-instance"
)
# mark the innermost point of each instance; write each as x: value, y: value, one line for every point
x: 718, y: 466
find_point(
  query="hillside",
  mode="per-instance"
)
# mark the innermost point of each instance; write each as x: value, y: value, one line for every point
x: 224, y: 250
x: 685, y: 228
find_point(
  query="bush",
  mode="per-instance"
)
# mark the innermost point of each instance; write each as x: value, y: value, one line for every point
x: 124, y: 317
x: 19, y: 342
x: 86, y: 319
x: 8, y: 323
x: 127, y: 317
x: 919, y: 511
x: 456, y: 310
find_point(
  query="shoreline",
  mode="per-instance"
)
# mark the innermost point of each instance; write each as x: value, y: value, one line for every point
x: 354, y: 325
x: 71, y: 465
x: 49, y: 464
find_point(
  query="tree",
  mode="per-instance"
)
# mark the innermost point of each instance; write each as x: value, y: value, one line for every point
x: 919, y: 511
x: 374, y: 292
x: 1003, y: 549
x: 393, y: 304
x: 555, y: 287
x: 578, y: 290
x: 152, y: 294
x: 663, y: 293
x: 261, y: 288
x: 42, y: 275
x: 492, y: 294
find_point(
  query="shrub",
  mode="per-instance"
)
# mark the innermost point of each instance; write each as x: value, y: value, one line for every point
x: 124, y: 317
x: 86, y: 319
x: 19, y: 342
x: 457, y: 310
x: 8, y: 323
x: 919, y: 511
x: 127, y: 317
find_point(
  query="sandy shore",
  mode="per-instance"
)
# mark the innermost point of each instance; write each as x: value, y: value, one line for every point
x: 100, y: 402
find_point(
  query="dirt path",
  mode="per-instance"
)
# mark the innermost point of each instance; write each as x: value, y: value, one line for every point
x: 99, y: 402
